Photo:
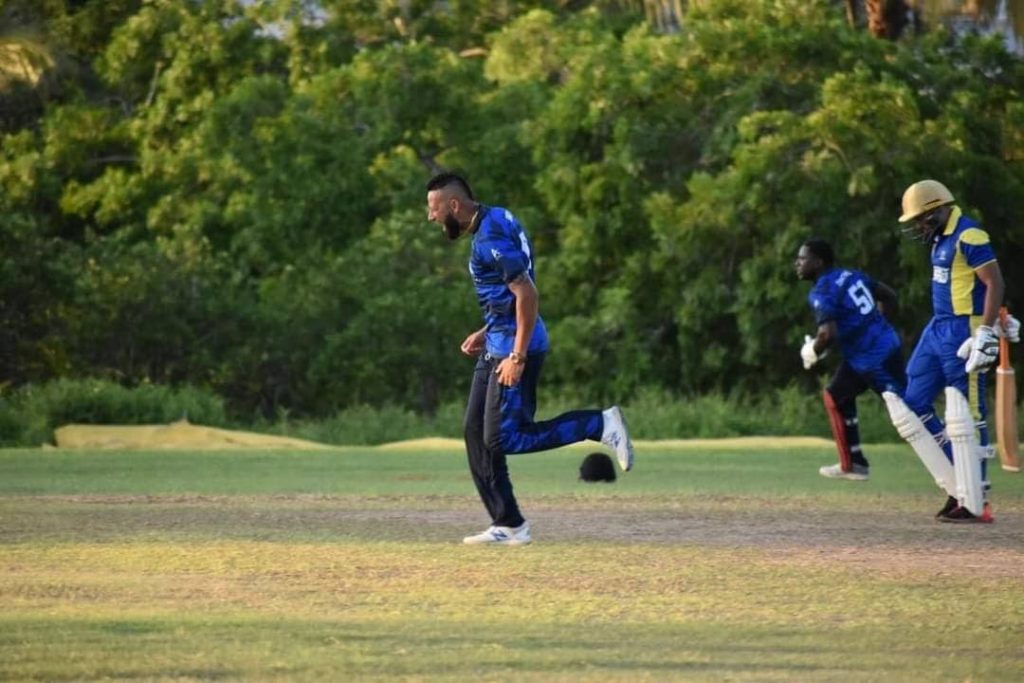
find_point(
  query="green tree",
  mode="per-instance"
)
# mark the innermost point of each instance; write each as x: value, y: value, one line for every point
x: 402, y: 305
x: 230, y: 194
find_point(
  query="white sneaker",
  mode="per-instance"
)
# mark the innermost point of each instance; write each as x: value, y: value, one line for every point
x: 502, y: 535
x: 617, y: 436
x: 858, y: 473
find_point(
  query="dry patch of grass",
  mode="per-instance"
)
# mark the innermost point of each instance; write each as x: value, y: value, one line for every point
x: 264, y: 610
x: 624, y: 583
x: 592, y: 583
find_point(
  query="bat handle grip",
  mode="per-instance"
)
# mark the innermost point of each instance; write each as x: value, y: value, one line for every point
x: 1004, y: 343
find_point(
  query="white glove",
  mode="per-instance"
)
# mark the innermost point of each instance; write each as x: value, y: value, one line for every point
x: 1011, y: 331
x: 807, y: 352
x: 981, y: 350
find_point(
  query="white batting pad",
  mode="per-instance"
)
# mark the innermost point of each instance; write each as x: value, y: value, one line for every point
x: 913, y: 431
x: 966, y: 463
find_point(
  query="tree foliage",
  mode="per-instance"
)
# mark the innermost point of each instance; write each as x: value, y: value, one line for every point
x: 230, y: 194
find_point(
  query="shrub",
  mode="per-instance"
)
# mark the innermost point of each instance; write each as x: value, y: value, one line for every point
x: 365, y: 425
x: 10, y: 424
x: 38, y: 409
x: 29, y: 415
x: 790, y: 411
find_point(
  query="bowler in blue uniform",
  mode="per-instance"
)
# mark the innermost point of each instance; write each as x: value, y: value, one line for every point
x: 510, y: 349
x: 849, y: 309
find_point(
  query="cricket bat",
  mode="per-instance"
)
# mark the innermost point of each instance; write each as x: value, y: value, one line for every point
x: 1006, y: 406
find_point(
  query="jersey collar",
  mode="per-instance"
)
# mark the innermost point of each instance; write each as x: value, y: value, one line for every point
x: 478, y: 217
x: 954, y: 218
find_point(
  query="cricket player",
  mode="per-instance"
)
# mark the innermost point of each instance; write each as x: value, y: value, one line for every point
x: 510, y: 349
x: 849, y: 308
x: 967, y: 291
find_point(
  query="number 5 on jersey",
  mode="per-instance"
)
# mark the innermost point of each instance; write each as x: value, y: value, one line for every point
x: 861, y: 296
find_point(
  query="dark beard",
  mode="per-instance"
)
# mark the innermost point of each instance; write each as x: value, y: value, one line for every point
x: 933, y: 225
x: 929, y: 228
x: 452, y: 228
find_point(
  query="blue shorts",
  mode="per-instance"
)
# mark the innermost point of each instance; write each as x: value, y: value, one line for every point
x: 848, y: 383
x: 934, y: 366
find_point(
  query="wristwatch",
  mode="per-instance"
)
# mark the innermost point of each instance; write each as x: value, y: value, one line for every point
x: 517, y: 358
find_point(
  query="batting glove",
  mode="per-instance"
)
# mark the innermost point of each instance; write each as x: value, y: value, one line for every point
x: 807, y: 353
x: 1011, y: 330
x: 981, y: 350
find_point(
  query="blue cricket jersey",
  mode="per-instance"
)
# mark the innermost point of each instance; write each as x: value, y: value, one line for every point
x: 865, y: 336
x: 501, y: 251
x: 961, y: 249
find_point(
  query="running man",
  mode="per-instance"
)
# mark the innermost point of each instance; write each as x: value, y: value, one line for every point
x: 510, y: 349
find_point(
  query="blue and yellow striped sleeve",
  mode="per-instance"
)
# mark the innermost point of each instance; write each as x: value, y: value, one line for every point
x: 976, y: 247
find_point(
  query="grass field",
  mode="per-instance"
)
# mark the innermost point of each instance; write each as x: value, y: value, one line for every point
x: 708, y: 563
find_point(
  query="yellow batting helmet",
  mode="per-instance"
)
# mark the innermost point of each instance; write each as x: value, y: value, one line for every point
x: 922, y: 197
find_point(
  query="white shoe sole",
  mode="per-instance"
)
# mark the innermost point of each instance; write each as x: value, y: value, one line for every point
x: 849, y: 476
x: 512, y: 539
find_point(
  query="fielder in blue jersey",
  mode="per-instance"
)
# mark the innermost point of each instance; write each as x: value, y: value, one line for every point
x: 967, y: 291
x: 510, y: 349
x: 849, y: 309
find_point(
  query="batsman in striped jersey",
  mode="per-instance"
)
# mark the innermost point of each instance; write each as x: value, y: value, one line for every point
x: 849, y: 308
x: 967, y: 291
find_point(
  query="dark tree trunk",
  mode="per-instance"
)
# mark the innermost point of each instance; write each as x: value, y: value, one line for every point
x: 887, y: 18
